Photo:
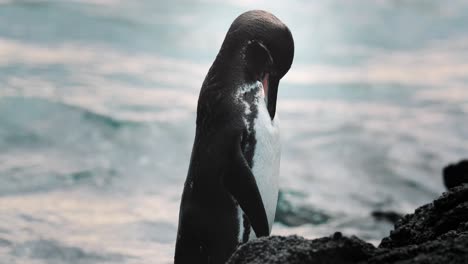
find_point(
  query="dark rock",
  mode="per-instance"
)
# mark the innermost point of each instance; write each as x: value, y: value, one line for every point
x: 449, y: 249
x: 388, y: 216
x: 294, y: 249
x: 455, y: 174
x: 435, y: 233
x: 429, y: 222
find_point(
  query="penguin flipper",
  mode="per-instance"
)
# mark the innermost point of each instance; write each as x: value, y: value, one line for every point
x: 243, y: 187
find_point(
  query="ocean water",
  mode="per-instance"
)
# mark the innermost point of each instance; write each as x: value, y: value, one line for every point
x: 97, y: 118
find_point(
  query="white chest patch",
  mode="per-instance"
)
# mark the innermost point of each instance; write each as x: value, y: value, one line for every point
x: 266, y: 159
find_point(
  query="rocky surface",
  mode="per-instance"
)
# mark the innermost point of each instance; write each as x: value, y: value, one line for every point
x: 455, y: 174
x: 295, y: 249
x: 449, y: 213
x: 434, y: 233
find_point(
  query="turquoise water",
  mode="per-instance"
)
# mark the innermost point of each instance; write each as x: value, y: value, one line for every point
x: 97, y: 114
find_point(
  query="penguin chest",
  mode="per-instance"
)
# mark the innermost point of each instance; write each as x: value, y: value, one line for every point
x: 266, y: 159
x: 265, y: 168
x: 265, y: 163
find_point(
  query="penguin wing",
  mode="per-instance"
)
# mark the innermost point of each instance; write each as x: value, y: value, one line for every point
x: 243, y: 187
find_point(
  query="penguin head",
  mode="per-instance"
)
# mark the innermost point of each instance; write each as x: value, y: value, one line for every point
x: 257, y: 47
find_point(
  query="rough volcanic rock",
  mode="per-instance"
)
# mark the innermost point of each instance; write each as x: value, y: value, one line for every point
x: 435, y: 233
x: 451, y: 248
x: 455, y: 174
x: 294, y: 249
x: 448, y: 213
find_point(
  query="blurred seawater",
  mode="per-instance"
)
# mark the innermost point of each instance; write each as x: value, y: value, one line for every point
x: 97, y: 115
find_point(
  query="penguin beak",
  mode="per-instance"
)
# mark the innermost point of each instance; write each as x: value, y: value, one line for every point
x: 270, y: 90
x: 271, y: 93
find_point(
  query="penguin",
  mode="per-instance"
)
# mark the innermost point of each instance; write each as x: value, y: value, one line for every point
x: 231, y: 189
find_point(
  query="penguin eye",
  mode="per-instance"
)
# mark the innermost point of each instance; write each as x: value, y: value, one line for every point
x: 258, y: 60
